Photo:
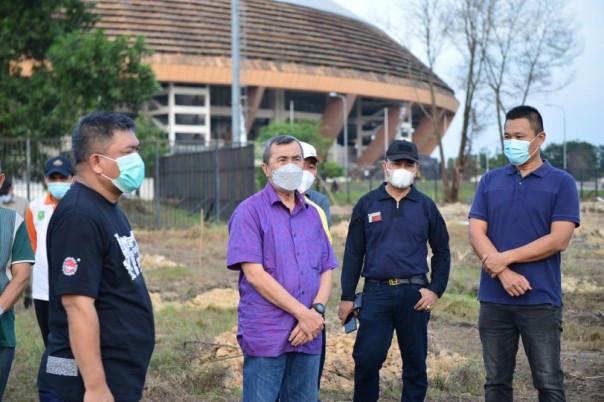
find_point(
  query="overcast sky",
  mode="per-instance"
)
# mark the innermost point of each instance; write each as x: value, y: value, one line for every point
x: 582, y: 100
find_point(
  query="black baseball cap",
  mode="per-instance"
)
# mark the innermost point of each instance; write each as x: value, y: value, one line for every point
x: 401, y: 149
x: 59, y: 165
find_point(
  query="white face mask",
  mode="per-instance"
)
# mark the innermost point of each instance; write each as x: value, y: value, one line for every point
x: 307, y: 181
x: 288, y: 177
x: 400, y: 178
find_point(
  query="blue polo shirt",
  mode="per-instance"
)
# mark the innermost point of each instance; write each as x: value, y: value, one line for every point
x: 519, y: 210
x: 389, y: 239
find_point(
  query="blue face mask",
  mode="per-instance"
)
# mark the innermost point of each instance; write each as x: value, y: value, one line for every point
x: 132, y: 172
x: 58, y: 189
x: 517, y: 151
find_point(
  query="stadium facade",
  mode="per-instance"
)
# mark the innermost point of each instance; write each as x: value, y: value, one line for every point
x: 293, y: 55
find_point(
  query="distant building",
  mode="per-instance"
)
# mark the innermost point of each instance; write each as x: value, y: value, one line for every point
x: 292, y: 57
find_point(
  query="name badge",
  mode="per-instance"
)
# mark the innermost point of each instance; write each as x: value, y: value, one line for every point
x: 374, y: 217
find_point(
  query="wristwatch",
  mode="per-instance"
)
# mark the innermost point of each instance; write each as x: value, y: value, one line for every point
x: 2, y: 311
x: 319, y: 308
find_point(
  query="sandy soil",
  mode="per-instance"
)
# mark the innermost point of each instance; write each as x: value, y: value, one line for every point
x: 204, y: 251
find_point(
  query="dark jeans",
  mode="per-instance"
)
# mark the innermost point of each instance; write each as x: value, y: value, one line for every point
x: 48, y: 397
x: 540, y: 327
x: 6, y: 361
x: 385, y: 309
x: 322, y: 361
x: 41, y: 307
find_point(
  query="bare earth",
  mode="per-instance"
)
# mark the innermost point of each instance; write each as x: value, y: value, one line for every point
x: 452, y: 342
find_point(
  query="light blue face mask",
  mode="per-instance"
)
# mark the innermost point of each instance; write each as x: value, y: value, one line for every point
x: 517, y: 151
x: 132, y: 172
x: 6, y: 198
x: 58, y: 189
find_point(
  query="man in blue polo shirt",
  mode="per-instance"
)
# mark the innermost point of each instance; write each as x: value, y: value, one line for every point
x: 387, y: 243
x: 523, y: 216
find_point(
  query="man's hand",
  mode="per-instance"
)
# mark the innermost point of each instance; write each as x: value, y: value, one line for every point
x: 298, y: 337
x: 495, y: 263
x: 344, y: 310
x: 310, y: 323
x: 27, y: 301
x: 514, y: 283
x: 427, y: 301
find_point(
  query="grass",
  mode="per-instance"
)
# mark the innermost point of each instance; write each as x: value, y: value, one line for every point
x: 463, y: 380
x: 184, y: 337
x: 24, y: 372
x: 182, y: 367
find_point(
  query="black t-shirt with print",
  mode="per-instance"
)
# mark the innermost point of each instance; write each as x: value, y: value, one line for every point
x: 92, y: 252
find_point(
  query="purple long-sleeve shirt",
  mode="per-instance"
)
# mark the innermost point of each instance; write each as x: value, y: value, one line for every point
x: 293, y: 249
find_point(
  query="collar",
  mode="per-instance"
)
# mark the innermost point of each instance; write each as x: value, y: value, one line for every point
x: 541, y: 171
x: 48, y: 200
x: 273, y: 197
x: 413, y: 195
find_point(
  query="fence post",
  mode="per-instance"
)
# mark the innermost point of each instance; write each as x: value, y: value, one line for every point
x: 28, y: 166
x: 436, y: 184
x: 156, y: 185
x: 581, y: 181
x: 201, y: 233
x: 596, y: 179
x: 217, y: 180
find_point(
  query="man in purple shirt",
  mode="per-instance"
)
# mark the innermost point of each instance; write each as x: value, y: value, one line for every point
x: 277, y: 242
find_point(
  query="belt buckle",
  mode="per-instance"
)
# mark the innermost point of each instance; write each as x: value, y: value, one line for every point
x: 393, y: 281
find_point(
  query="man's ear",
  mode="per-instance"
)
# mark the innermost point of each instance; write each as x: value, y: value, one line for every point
x: 266, y: 170
x: 94, y: 162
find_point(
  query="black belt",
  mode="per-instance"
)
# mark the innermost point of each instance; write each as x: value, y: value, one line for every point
x: 414, y: 280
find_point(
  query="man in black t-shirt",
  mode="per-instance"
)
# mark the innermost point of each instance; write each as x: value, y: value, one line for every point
x: 100, y: 315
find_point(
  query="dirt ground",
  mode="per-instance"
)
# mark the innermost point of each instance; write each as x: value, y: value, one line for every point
x: 204, y: 251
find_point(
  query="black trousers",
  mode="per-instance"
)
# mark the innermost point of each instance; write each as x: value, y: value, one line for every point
x: 41, y: 308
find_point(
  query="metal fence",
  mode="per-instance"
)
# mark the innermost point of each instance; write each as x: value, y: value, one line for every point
x: 179, y: 186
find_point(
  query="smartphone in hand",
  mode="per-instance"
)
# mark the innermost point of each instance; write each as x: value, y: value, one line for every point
x: 351, y: 323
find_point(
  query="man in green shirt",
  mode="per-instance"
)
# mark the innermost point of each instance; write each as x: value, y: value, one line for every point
x: 16, y: 259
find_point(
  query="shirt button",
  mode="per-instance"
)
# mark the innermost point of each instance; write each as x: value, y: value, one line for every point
x: 302, y: 292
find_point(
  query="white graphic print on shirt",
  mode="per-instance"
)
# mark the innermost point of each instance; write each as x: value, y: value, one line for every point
x: 130, y: 250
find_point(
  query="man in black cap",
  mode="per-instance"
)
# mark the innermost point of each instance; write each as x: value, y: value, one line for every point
x: 58, y: 177
x: 387, y: 244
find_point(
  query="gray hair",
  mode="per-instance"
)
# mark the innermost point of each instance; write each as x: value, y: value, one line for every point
x: 278, y: 140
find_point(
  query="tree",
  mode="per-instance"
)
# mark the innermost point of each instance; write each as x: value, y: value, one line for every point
x: 54, y: 68
x: 472, y: 24
x: 509, y: 52
x: 303, y: 130
x: 153, y: 143
x: 530, y: 41
x: 583, y: 158
x: 429, y: 22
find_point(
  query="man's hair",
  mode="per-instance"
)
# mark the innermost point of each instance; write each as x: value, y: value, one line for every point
x: 529, y: 113
x: 8, y: 183
x: 95, y: 131
x: 278, y: 140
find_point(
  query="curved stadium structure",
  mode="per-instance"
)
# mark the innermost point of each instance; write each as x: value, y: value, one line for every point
x: 292, y: 57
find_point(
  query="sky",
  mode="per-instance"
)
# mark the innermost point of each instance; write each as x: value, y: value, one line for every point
x: 582, y: 100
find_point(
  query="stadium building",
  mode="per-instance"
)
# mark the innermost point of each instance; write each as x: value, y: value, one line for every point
x: 299, y: 59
